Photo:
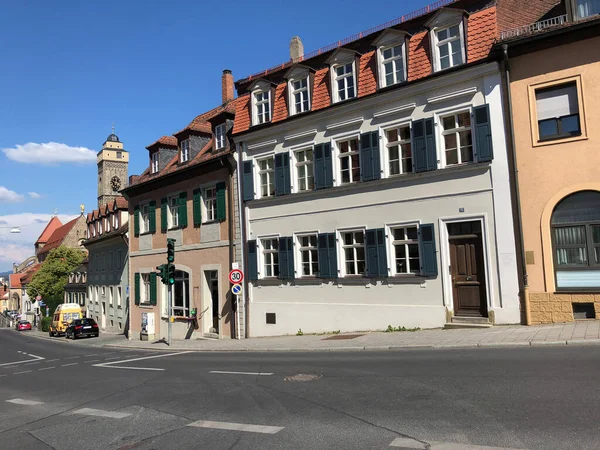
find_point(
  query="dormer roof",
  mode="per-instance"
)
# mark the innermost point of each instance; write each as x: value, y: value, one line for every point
x: 296, y: 70
x: 390, y: 36
x: 341, y: 55
x: 444, y: 17
x: 163, y: 141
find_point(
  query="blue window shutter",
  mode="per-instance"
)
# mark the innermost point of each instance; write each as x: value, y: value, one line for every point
x: 332, y: 255
x: 429, y: 254
x: 328, y: 165
x: 136, y: 220
x: 286, y: 258
x: 252, y: 261
x: 152, y: 217
x: 375, y: 159
x: 376, y: 253
x: 369, y: 156
x: 430, y: 144
x: 318, y: 164
x: 287, y: 185
x: 248, y: 181
x: 282, y: 174
x: 419, y: 146
x: 483, y: 133
x: 327, y: 255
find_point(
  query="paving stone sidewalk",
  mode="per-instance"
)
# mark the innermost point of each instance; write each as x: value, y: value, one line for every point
x: 576, y: 333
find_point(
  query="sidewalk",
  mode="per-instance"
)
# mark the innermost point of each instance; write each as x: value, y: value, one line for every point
x: 575, y: 333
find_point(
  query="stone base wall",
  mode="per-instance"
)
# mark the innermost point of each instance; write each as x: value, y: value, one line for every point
x: 557, y: 308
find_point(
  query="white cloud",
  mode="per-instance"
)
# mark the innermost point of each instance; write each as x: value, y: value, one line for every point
x: 34, y: 195
x: 50, y: 153
x: 8, y: 196
x: 14, y: 253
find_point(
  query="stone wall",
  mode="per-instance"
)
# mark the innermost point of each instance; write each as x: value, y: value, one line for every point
x: 557, y: 308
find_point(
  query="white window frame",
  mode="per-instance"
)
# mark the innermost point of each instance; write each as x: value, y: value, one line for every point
x: 173, y: 212
x: 100, y: 226
x: 386, y: 145
x: 381, y: 61
x: 342, y: 254
x: 185, y: 150
x: 259, y: 172
x: 303, y: 91
x: 220, y: 132
x: 144, y: 218
x: 441, y: 133
x: 261, y: 256
x: 145, y: 288
x: 263, y: 89
x: 154, y: 162
x: 119, y: 296
x: 299, y: 249
x: 391, y: 249
x: 335, y: 77
x: 297, y: 164
x: 209, y: 204
x: 111, y: 296
x: 338, y: 155
x: 436, y: 44
x: 187, y: 301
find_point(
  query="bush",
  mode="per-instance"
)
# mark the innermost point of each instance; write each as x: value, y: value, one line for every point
x: 45, y: 323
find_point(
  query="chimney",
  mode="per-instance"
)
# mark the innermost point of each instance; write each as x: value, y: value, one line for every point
x: 227, y: 86
x: 296, y: 49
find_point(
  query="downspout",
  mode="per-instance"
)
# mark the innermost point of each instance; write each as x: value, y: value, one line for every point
x: 244, y: 239
x: 506, y: 78
x: 231, y: 230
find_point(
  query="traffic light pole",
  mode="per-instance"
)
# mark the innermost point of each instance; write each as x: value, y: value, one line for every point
x: 170, y: 305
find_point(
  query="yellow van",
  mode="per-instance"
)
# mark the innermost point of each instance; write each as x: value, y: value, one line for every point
x: 65, y: 313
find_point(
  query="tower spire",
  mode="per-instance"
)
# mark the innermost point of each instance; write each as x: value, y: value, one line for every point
x: 113, y: 128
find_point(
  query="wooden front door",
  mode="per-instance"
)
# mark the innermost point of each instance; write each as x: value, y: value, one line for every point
x: 468, y: 274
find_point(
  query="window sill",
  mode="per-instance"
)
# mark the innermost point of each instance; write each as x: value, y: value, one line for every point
x: 559, y: 140
x: 146, y: 305
x: 211, y: 222
x: 146, y: 233
x: 594, y: 290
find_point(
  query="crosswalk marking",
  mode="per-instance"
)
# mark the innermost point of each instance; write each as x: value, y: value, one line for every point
x: 21, y: 401
x: 408, y: 443
x: 236, y: 426
x: 101, y: 413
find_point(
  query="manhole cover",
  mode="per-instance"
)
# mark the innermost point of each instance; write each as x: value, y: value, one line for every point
x: 337, y: 337
x: 303, y: 377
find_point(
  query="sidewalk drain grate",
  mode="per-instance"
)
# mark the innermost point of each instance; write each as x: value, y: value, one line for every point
x: 303, y: 377
x: 338, y: 337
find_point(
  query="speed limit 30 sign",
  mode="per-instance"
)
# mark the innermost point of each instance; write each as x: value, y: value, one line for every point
x: 236, y: 276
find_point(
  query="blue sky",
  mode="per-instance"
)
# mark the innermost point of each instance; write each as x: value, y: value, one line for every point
x: 71, y: 68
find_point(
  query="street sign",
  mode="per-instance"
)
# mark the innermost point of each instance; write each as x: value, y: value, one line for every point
x: 236, y: 289
x: 127, y: 290
x: 41, y: 304
x: 236, y: 276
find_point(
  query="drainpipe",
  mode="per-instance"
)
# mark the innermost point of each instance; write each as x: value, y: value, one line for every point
x: 506, y: 79
x: 244, y: 238
x: 231, y: 228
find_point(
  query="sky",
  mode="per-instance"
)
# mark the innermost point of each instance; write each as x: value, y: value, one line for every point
x: 70, y: 69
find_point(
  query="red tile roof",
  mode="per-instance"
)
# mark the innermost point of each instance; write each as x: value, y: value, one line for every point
x: 164, y: 141
x: 15, y: 280
x: 107, y: 208
x: 48, y: 230
x: 27, y: 276
x: 203, y: 127
x: 58, y: 236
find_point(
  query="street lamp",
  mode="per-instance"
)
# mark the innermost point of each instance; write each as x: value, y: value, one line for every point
x: 15, y: 230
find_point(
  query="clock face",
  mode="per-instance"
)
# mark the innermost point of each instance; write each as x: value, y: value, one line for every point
x: 115, y: 183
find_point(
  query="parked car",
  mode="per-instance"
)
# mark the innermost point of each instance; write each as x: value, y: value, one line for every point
x: 82, y: 327
x: 23, y: 325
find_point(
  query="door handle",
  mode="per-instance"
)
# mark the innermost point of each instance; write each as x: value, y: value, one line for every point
x: 469, y: 278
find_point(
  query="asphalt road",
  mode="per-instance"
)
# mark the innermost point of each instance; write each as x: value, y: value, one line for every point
x: 81, y: 396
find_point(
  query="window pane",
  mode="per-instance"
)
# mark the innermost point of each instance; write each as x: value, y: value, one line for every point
x: 389, y: 79
x: 548, y: 128
x: 444, y: 51
x: 557, y: 101
x: 398, y: 234
x: 569, y: 235
x: 566, y: 256
x: 570, y: 125
x: 359, y: 237
x: 450, y: 141
x: 442, y: 34
x: 411, y: 233
x: 464, y: 119
x: 596, y: 234
x: 448, y: 122
x: 405, y: 133
x: 387, y: 53
x: 392, y: 135
x: 454, y: 30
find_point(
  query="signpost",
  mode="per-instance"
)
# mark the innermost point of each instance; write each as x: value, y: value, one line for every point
x: 236, y: 276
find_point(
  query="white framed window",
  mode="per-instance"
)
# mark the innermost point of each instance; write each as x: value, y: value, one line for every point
x: 100, y: 226
x: 220, y: 131
x: 269, y: 249
x: 266, y: 176
x: 173, y: 212
x: 185, y: 150
x: 300, y: 96
x: 392, y: 65
x: 262, y: 106
x: 404, y: 241
x: 585, y: 8
x: 349, y: 160
x: 558, y: 112
x: 353, y: 252
x: 449, y: 47
x: 144, y: 218
x: 154, y: 162
x: 119, y: 296
x: 209, y: 198
x: 305, y: 178
x: 398, y: 150
x: 457, y: 140
x: 344, y: 82
x: 181, y: 294
x: 145, y: 288
x: 111, y: 295
x: 308, y: 255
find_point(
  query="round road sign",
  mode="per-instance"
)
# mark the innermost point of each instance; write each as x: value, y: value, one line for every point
x: 236, y: 276
x: 236, y: 289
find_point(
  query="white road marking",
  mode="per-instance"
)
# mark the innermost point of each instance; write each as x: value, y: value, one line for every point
x: 92, y: 360
x: 20, y: 401
x: 47, y: 368
x: 37, y: 358
x: 51, y: 360
x: 112, y: 357
x: 91, y: 354
x: 19, y: 373
x: 109, y: 365
x: 236, y: 426
x: 67, y: 365
x: 241, y: 373
x: 31, y: 364
x: 101, y: 413
x: 73, y: 357
x: 413, y: 444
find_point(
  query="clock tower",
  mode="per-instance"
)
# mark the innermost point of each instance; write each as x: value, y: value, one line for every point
x: 113, y: 164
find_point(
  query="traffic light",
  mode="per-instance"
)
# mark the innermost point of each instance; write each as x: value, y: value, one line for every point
x: 4, y: 288
x: 171, y: 274
x: 170, y: 251
x: 162, y: 273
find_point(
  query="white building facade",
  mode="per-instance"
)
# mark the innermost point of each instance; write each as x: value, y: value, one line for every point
x: 382, y: 207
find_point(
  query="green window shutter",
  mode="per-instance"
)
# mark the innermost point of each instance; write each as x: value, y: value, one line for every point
x: 153, y: 288
x: 286, y: 258
x: 152, y: 218
x: 137, y: 288
x: 248, y: 181
x: 429, y: 254
x: 252, y: 261
x: 369, y: 156
x: 221, y: 210
x: 136, y: 220
x: 423, y: 132
x: 483, y: 133
x: 163, y: 215
x: 197, y: 203
x: 183, y: 209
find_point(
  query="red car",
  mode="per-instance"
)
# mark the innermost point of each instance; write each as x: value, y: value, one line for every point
x: 23, y: 325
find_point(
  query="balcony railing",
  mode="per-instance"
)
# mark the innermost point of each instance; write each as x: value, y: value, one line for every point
x: 534, y: 28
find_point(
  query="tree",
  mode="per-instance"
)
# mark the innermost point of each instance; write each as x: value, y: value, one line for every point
x: 49, y: 281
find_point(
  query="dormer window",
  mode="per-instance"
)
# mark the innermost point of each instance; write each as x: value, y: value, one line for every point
x: 262, y: 106
x: 391, y: 57
x: 100, y: 226
x: 585, y: 8
x: 154, y: 162
x: 300, y: 100
x: 185, y: 150
x: 447, y: 38
x: 343, y: 75
x: 220, y: 131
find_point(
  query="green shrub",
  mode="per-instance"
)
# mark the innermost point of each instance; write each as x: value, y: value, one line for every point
x: 45, y: 323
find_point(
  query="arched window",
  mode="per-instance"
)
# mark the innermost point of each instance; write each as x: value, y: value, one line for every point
x: 576, y: 241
